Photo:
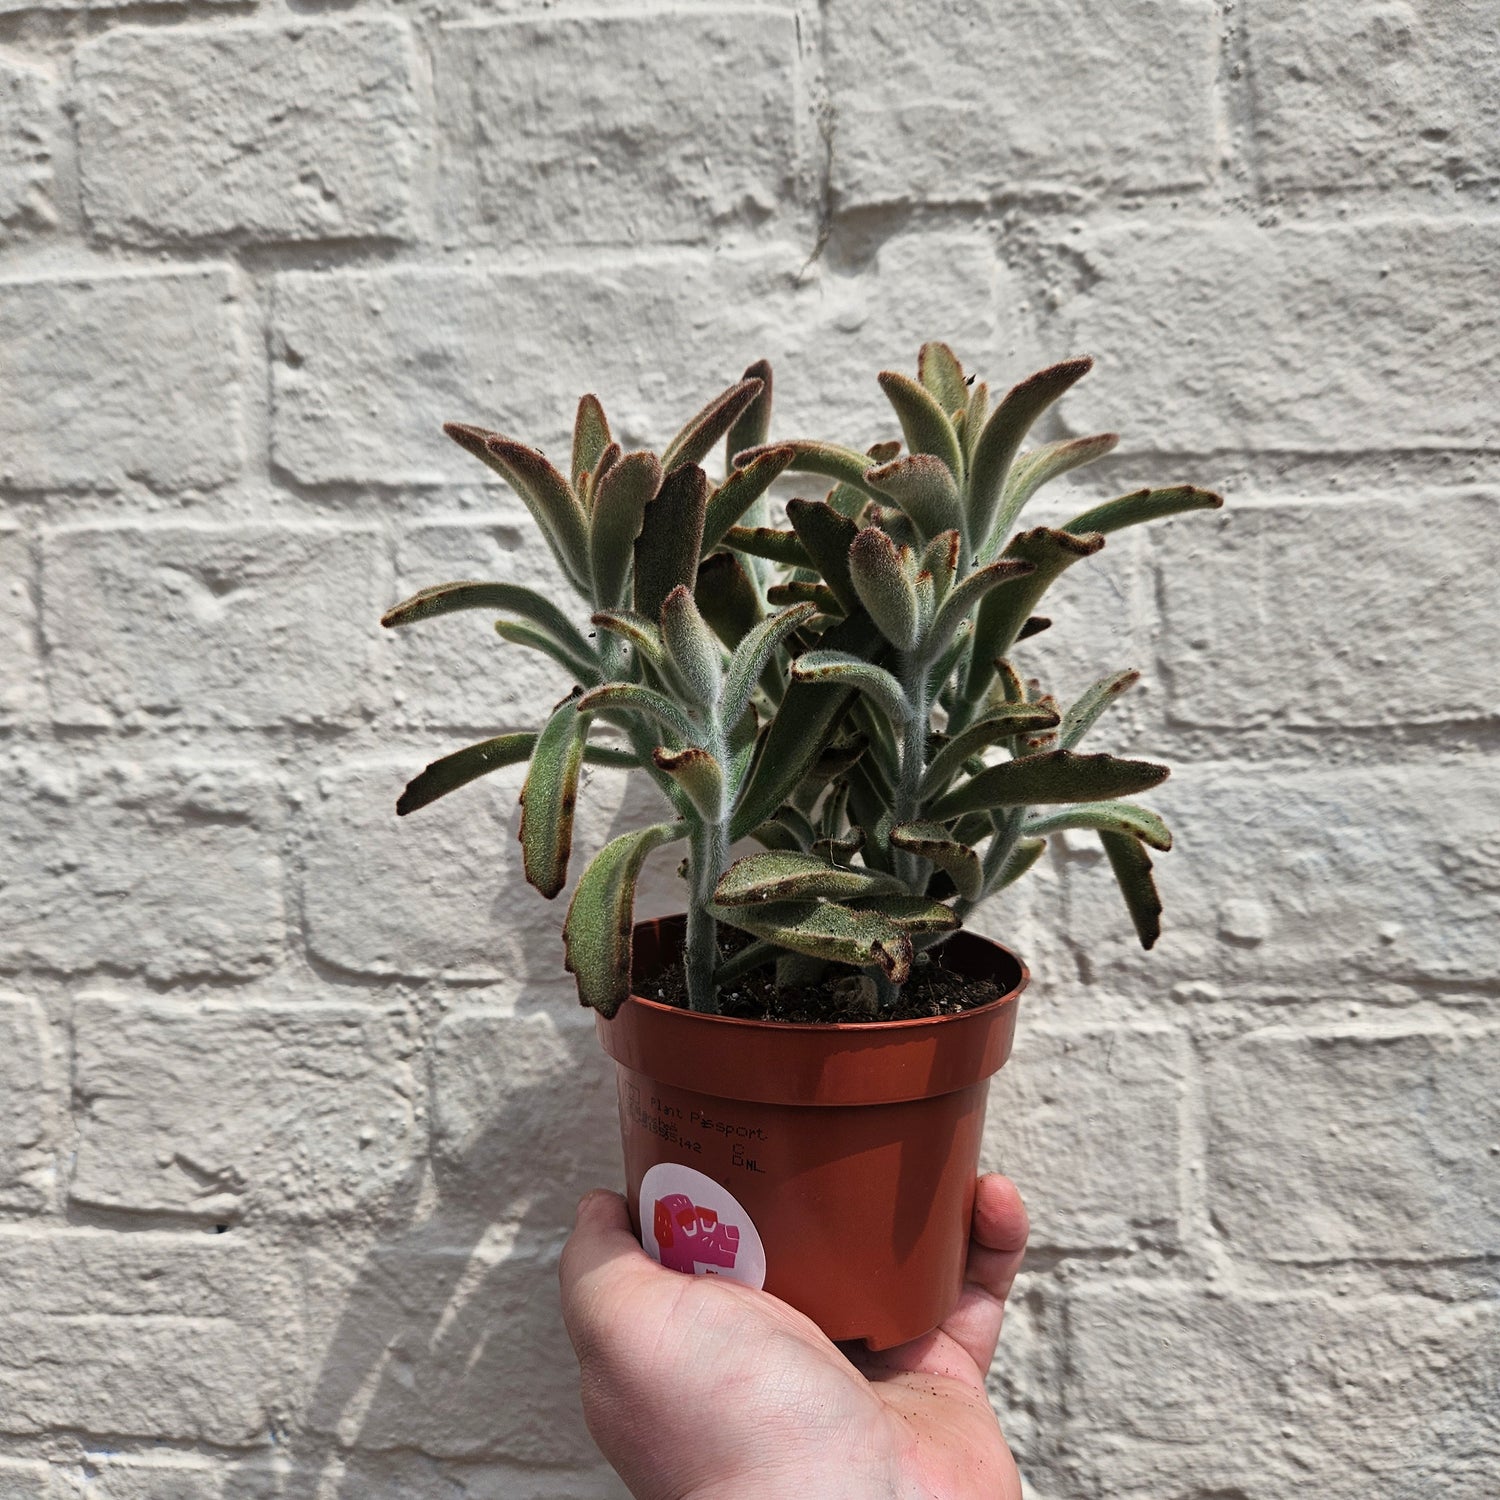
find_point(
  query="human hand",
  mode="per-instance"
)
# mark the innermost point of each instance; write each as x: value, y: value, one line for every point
x: 699, y: 1388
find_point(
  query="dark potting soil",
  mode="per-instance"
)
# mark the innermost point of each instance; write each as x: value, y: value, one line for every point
x: 842, y: 995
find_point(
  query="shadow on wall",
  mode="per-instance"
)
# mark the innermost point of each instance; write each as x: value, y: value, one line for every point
x: 448, y: 1339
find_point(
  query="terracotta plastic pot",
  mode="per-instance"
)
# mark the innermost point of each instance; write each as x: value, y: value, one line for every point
x: 834, y: 1165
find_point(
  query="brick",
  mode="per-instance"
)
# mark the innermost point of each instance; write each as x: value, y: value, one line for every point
x: 169, y: 868
x: 10, y: 7
x: 1313, y: 338
x: 22, y: 1479
x: 1022, y: 1381
x: 21, y: 695
x: 1087, y: 1125
x: 454, y: 1349
x: 145, y: 1335
x: 965, y: 100
x: 368, y: 365
x: 441, y: 892
x: 304, y: 132
x: 414, y: 1476
x: 221, y: 1110
x: 1418, y: 645
x: 28, y: 118
x: 666, y: 127
x: 178, y: 625
x: 454, y: 670
x: 174, y: 1478
x: 1281, y: 1395
x: 141, y: 371
x: 1366, y: 1142
x: 1308, y: 883
x: 1374, y: 95
x: 524, y: 1115
x: 25, y: 1105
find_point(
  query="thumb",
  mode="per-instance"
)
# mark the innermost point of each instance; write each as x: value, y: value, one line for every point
x: 602, y: 1250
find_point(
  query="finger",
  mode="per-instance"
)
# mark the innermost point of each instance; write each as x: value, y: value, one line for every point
x: 996, y: 1249
x: 601, y: 1252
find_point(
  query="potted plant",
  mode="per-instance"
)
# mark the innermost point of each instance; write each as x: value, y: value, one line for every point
x: 804, y: 1055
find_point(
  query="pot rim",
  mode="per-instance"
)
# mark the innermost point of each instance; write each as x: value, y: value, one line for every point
x: 1023, y: 979
x: 864, y: 1028
x: 819, y: 1062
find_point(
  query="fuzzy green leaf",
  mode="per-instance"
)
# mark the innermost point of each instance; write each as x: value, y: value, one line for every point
x: 671, y: 539
x: 754, y: 423
x: 843, y: 669
x: 924, y: 488
x: 840, y: 851
x: 940, y: 558
x: 1021, y: 858
x: 547, y: 495
x: 912, y: 914
x: 808, y: 715
x: 750, y: 658
x: 596, y: 934
x: 770, y: 542
x: 616, y: 698
x: 1002, y: 615
x: 968, y: 596
x: 513, y: 598
x: 834, y: 762
x: 698, y: 774
x: 726, y: 598
x: 473, y: 761
x: 826, y: 536
x: 795, y: 821
x: 1056, y: 776
x: 1008, y: 686
x: 585, y: 669
x: 1000, y: 723
x: 774, y: 834
x: 1034, y: 469
x: 548, y: 797
x: 740, y: 490
x: 607, y: 460
x: 975, y: 416
x: 881, y: 579
x: 642, y: 633
x: 1003, y: 434
x: 590, y: 439
x: 1132, y: 867
x: 620, y: 500
x: 812, y: 457
x: 1105, y: 817
x: 824, y: 929
x: 924, y: 423
x: 787, y: 876
x: 1144, y: 505
x: 741, y: 744
x: 804, y: 591
x: 1080, y: 718
x: 934, y: 842
x: 691, y: 647
x: 703, y: 431
x: 939, y: 370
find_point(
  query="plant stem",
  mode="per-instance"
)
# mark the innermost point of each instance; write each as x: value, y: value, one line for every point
x: 913, y: 758
x: 701, y: 952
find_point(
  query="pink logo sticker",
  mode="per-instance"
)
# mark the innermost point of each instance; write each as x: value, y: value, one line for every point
x: 691, y: 1223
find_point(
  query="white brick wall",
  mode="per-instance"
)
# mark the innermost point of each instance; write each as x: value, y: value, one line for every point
x: 294, y: 1101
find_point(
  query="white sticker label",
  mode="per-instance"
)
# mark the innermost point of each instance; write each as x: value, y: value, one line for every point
x: 690, y: 1223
